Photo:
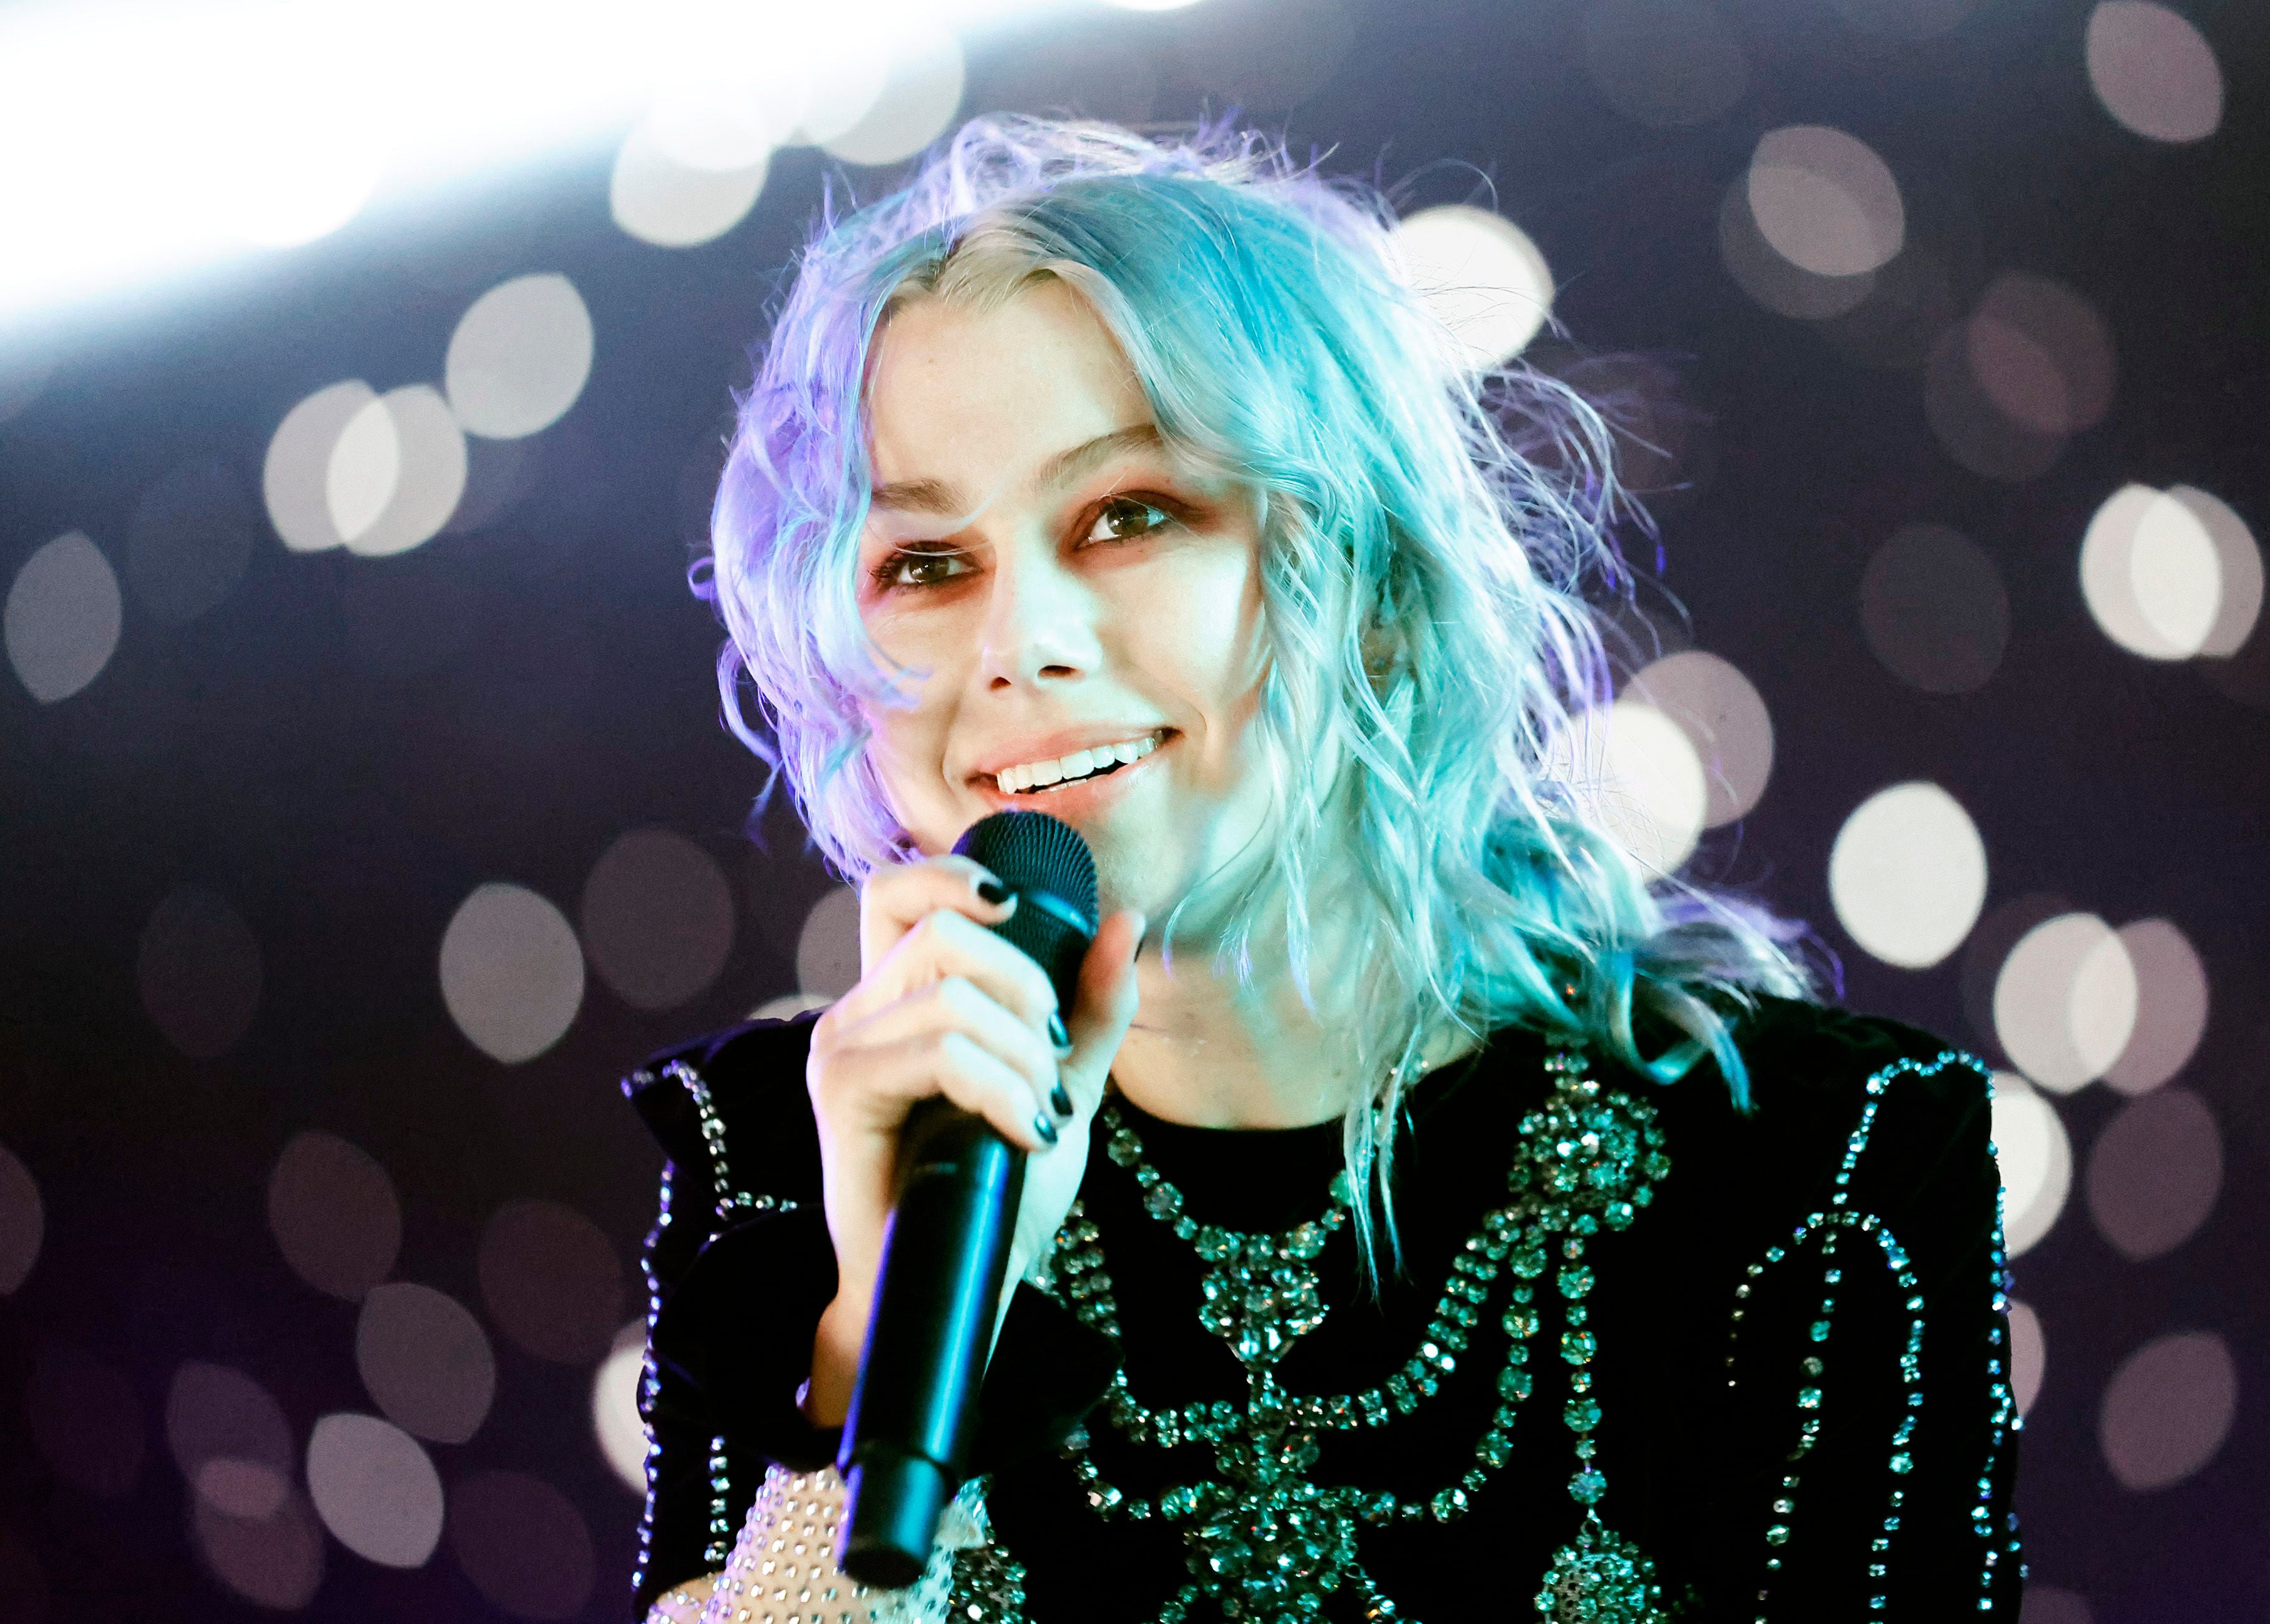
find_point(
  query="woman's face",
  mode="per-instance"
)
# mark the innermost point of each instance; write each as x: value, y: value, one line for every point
x: 1067, y: 590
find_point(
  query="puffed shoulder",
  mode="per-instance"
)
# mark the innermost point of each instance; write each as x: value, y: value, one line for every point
x: 732, y: 1104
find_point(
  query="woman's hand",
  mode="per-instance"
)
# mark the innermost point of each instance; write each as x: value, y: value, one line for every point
x: 945, y: 1006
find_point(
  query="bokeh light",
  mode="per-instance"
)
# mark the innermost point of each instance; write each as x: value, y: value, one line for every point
x: 2239, y: 557
x: 659, y: 200
x: 296, y: 475
x: 1664, y: 62
x: 615, y: 1419
x: 425, y: 1361
x: 2047, y: 1605
x: 1970, y: 425
x: 1724, y: 719
x: 1479, y: 275
x: 23, y: 1222
x: 63, y: 618
x: 396, y: 472
x: 2028, y: 1356
x: 2065, y: 1001
x: 2035, y: 1156
x: 550, y: 1280
x: 189, y: 541
x: 274, y: 1561
x: 523, y: 1545
x: 512, y: 972
x: 921, y: 94
x: 2171, y: 999
x: 1766, y: 276
x: 2152, y: 573
x: 199, y: 967
x: 2041, y: 354
x: 657, y: 918
x: 86, y: 1420
x: 375, y: 1489
x: 1907, y: 874
x: 1934, y: 611
x: 1641, y: 776
x: 231, y: 1441
x: 2168, y: 1409
x: 827, y: 947
x: 2154, y: 1172
x: 1824, y: 201
x: 2153, y: 71
x: 520, y: 356
x: 335, y: 1215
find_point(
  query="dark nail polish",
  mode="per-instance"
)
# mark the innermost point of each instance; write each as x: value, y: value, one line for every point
x: 1057, y: 1036
x: 993, y: 891
x: 1059, y: 1100
x: 1043, y: 1126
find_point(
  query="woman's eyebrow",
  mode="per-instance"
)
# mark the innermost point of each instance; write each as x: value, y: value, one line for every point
x: 941, y: 497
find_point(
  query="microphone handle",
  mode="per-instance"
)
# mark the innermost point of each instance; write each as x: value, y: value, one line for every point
x: 946, y: 1255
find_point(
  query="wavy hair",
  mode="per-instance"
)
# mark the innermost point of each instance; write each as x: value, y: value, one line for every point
x: 1429, y: 535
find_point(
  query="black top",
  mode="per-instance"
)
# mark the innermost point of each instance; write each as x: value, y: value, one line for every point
x: 1782, y: 1334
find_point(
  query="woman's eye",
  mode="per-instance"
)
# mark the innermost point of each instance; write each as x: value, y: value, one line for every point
x: 1124, y: 517
x: 923, y: 568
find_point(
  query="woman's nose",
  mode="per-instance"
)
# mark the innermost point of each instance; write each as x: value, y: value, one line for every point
x: 1040, y: 619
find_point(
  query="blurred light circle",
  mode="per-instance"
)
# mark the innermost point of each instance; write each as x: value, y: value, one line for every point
x: 659, y: 200
x: 499, y: 474
x: 2240, y: 560
x: 2153, y: 71
x: 551, y: 1281
x: 425, y: 1361
x: 1905, y: 19
x: 1824, y: 201
x: 299, y: 158
x: 85, y: 1420
x: 723, y: 122
x: 295, y: 478
x: 375, y: 1489
x: 657, y: 918
x: 2045, y: 1605
x: 2152, y: 573
x: 23, y: 1222
x: 274, y: 1561
x: 1480, y: 275
x: 1933, y: 610
x: 520, y: 356
x: 2065, y: 1001
x: 63, y: 618
x: 189, y: 541
x: 398, y: 473
x: 2042, y: 353
x: 1665, y: 63
x: 522, y: 1544
x: 827, y: 948
x: 335, y: 1215
x: 2035, y: 1156
x: 2168, y: 1409
x: 1970, y: 426
x: 840, y: 92
x: 512, y: 974
x: 1772, y: 281
x: 922, y: 91
x: 1724, y: 718
x: 2154, y: 1172
x: 2171, y: 1001
x: 1640, y: 773
x: 615, y: 1419
x: 230, y: 1439
x: 2028, y: 1356
x: 200, y: 972
x: 1907, y: 874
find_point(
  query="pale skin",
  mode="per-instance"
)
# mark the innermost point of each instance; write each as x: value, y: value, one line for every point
x: 1055, y: 569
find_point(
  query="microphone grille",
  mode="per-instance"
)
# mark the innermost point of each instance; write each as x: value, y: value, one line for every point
x: 1032, y: 851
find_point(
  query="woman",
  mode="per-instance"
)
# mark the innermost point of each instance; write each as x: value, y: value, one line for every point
x: 1429, y: 1210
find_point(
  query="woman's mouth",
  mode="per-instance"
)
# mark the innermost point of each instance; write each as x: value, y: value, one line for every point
x: 1036, y: 783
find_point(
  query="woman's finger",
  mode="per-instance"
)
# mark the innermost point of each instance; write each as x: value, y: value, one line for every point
x: 912, y: 1069
x: 898, y: 896
x: 955, y: 1003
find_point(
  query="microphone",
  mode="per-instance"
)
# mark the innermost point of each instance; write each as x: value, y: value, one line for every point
x: 946, y: 1249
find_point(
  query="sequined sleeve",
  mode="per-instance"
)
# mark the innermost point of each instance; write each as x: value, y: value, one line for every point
x: 1868, y: 1352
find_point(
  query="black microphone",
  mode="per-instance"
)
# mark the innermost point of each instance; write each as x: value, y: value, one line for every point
x: 946, y: 1250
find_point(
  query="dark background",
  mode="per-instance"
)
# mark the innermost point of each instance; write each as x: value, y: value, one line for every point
x: 343, y: 748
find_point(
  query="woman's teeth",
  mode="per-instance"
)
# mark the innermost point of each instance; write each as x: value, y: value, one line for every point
x: 1079, y: 764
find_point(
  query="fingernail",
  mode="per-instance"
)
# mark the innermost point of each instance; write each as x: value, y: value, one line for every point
x: 1043, y: 1126
x: 992, y: 890
x: 1057, y: 1036
x: 1060, y: 1100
